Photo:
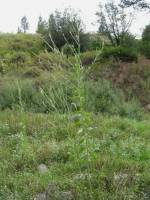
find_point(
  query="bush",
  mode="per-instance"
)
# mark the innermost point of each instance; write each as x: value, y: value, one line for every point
x: 131, y: 109
x: 145, y: 44
x: 146, y: 34
x: 96, y: 41
x: 102, y: 97
x: 129, y: 41
x: 120, y: 53
x: 145, y: 49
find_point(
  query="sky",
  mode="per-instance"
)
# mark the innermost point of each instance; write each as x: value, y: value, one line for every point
x: 11, y: 12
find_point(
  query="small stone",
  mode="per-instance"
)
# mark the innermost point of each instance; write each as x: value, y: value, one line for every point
x: 42, y: 168
x: 40, y: 196
x: 82, y: 176
x: 52, y: 192
x: 65, y: 195
x: 148, y: 107
x: 120, y: 178
x: 75, y: 118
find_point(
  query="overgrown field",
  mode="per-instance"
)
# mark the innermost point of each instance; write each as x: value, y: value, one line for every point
x: 73, y: 127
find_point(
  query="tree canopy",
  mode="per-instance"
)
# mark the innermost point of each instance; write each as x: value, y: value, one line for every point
x: 113, y: 22
x: 146, y: 34
x: 141, y: 4
x: 42, y: 26
x: 63, y: 27
x: 24, y: 24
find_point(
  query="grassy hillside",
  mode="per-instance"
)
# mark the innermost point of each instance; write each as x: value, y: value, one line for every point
x: 18, y: 50
x: 10, y: 43
x: 72, y: 127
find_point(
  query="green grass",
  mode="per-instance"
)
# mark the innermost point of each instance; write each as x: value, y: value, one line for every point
x: 11, y: 43
x: 69, y: 114
x: 97, y: 157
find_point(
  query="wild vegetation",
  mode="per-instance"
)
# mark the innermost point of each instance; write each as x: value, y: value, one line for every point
x: 74, y: 110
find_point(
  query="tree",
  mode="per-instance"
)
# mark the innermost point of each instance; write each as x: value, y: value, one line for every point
x: 146, y: 34
x: 19, y: 30
x: 141, y: 4
x: 42, y: 26
x: 130, y: 41
x: 114, y: 22
x: 65, y: 27
x: 145, y: 43
x: 24, y: 24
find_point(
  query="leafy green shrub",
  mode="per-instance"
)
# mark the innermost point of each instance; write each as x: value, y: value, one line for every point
x: 96, y: 41
x: 130, y: 109
x: 145, y: 49
x: 146, y: 34
x: 120, y: 53
x: 129, y: 41
x: 102, y: 97
x: 145, y: 43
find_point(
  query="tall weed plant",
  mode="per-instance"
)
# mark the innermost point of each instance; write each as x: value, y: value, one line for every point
x: 79, y: 117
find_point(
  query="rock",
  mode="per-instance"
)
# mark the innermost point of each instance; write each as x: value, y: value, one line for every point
x: 148, y: 107
x: 42, y: 168
x: 120, y: 178
x: 75, y: 118
x: 82, y: 176
x: 52, y: 192
x: 40, y: 196
x: 65, y: 195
